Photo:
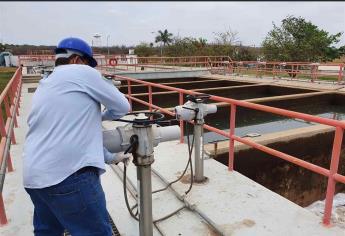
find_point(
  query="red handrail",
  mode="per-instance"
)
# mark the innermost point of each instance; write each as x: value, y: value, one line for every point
x: 331, y: 173
x: 10, y: 97
x: 306, y: 70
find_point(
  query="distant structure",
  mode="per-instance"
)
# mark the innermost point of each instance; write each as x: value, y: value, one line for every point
x: 97, y: 41
x: 7, y: 59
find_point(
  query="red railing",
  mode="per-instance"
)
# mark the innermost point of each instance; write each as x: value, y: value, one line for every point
x: 116, y: 62
x: 332, y: 173
x: 224, y: 65
x: 9, y: 101
x: 216, y: 64
x: 298, y: 70
x: 35, y: 60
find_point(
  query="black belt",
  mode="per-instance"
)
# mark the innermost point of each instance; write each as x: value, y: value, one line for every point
x: 87, y: 169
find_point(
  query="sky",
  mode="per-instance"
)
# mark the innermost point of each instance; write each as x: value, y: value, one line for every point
x: 130, y: 23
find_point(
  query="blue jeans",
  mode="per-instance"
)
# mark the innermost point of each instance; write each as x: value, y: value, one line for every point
x: 76, y: 204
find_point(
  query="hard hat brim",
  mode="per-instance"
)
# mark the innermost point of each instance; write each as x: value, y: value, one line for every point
x: 91, y: 61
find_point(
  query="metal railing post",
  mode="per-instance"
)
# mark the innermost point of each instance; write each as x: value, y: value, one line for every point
x: 12, y: 96
x: 3, y: 133
x: 340, y: 75
x: 150, y: 97
x: 338, y: 138
x: 3, y: 218
x: 231, y: 140
x: 8, y: 115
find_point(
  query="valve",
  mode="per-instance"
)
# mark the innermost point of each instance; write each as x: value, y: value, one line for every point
x: 118, y: 140
x: 139, y: 137
x: 194, y: 108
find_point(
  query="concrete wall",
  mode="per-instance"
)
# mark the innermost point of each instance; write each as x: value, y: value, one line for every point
x: 184, y: 85
x: 163, y: 74
x: 170, y: 99
x: 291, y: 181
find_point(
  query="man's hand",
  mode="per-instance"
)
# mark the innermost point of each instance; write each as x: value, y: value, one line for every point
x: 119, y: 157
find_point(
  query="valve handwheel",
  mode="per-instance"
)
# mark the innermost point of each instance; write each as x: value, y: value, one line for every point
x: 150, y: 118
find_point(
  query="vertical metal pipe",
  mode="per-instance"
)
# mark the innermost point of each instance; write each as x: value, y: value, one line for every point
x: 181, y: 121
x: 338, y: 138
x: 231, y: 140
x: 145, y: 200
x: 198, y: 156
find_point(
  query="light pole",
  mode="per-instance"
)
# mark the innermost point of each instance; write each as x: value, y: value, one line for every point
x: 108, y: 36
x: 97, y: 37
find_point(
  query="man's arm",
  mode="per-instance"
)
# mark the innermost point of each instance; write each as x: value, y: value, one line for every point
x: 107, y: 94
x: 115, y: 158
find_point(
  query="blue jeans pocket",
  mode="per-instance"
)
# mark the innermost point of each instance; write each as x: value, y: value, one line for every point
x: 69, y: 201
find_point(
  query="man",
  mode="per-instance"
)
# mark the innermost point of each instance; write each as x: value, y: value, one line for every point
x: 63, y: 152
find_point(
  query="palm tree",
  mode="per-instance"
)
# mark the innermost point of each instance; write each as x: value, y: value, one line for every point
x: 202, y: 42
x: 164, y: 37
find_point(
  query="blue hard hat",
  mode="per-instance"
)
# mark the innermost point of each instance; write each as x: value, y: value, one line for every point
x: 77, y: 45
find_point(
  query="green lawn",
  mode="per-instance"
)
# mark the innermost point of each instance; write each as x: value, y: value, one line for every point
x: 5, y: 76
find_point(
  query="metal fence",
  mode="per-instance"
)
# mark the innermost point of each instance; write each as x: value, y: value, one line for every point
x: 9, y: 103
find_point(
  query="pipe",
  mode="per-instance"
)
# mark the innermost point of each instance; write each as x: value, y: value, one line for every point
x: 145, y: 200
x: 190, y: 206
x: 198, y: 156
x: 132, y: 190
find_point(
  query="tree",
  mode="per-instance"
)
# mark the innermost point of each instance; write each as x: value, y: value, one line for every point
x: 202, y: 42
x: 229, y: 37
x: 2, y: 47
x: 144, y: 50
x: 164, y: 36
x: 300, y: 40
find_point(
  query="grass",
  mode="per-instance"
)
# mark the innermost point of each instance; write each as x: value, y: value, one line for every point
x: 6, y: 74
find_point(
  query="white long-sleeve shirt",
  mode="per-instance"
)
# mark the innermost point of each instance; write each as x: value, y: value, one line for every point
x: 65, y: 132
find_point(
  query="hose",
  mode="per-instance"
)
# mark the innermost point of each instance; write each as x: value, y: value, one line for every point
x: 190, y: 149
x: 189, y: 163
x: 125, y: 193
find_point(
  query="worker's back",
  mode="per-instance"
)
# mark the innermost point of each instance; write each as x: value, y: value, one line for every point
x: 64, y: 126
